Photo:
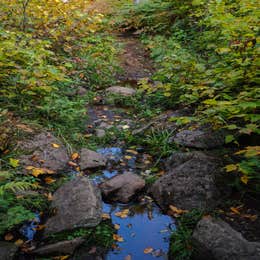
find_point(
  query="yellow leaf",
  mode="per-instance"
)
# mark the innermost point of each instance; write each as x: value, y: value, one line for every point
x: 117, y: 226
x: 118, y: 238
x: 106, y: 216
x: 62, y: 257
x: 235, y: 210
x: 231, y: 167
x: 244, y: 179
x: 148, y: 250
x: 132, y: 151
x: 55, y: 145
x: 13, y: 162
x: 128, y: 157
x: 19, y: 242
x: 122, y: 214
x: 74, y: 156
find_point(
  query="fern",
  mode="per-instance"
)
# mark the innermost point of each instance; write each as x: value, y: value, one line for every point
x: 15, y: 186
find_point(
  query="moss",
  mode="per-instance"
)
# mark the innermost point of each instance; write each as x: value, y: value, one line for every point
x: 101, y: 235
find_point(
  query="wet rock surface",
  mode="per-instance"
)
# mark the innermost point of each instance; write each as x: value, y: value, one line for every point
x: 122, y: 187
x: 44, y: 150
x: 215, y: 239
x: 189, y: 185
x: 62, y: 247
x: 77, y: 203
x: 7, y: 250
x: 90, y: 159
x: 200, y: 138
x: 124, y: 91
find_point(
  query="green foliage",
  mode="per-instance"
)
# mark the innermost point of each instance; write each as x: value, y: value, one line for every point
x: 181, y: 247
x: 101, y: 235
x: 14, y: 216
x: 207, y: 57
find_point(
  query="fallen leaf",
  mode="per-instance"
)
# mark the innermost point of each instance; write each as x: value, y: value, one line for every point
x: 72, y: 164
x: 236, y: 210
x: 49, y: 180
x: 132, y: 151
x: 74, y: 156
x: 118, y: 238
x: 106, y: 216
x: 231, y: 167
x: 122, y: 214
x: 244, y: 179
x: 9, y: 236
x: 249, y: 216
x: 148, y: 250
x: 25, y: 128
x: 128, y: 157
x: 117, y: 226
x: 177, y: 211
x: 55, y: 145
x: 128, y: 257
x: 40, y: 227
x: 88, y: 135
x: 13, y: 162
x: 19, y: 242
x: 125, y: 127
x: 62, y: 257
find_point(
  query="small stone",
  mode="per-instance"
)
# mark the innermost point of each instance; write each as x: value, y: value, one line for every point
x: 7, y: 250
x: 81, y: 91
x: 62, y: 247
x: 215, y: 239
x: 122, y: 187
x: 100, y: 133
x: 77, y: 203
x: 124, y: 91
x: 90, y: 159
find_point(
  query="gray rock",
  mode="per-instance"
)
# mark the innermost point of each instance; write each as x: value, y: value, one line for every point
x: 62, y: 247
x: 77, y: 203
x: 178, y: 158
x: 40, y: 152
x: 122, y: 187
x: 90, y: 159
x: 7, y: 250
x: 215, y: 239
x: 202, y: 139
x: 190, y: 185
x: 81, y: 91
x: 100, y: 133
x: 123, y: 91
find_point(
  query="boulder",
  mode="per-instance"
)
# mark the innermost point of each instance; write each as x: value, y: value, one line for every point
x: 77, y: 203
x: 122, y: 187
x: 189, y: 185
x: 215, y: 239
x: 45, y: 151
x: 62, y: 247
x: 90, y: 159
x: 7, y: 250
x: 178, y: 158
x: 123, y: 91
x: 202, y: 139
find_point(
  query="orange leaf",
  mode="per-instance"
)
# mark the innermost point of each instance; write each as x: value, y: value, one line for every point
x: 49, y: 180
x: 148, y: 250
x: 118, y: 238
x: 177, y: 211
x: 74, y: 156
x: 9, y: 236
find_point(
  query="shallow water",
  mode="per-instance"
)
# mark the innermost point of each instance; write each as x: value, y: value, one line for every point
x: 145, y: 227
